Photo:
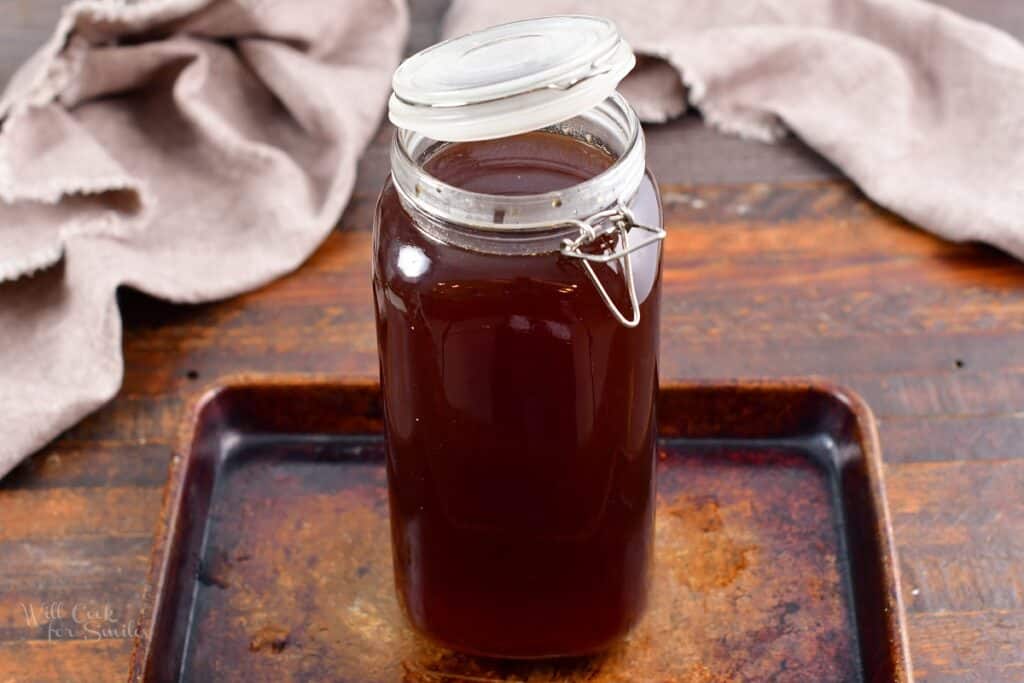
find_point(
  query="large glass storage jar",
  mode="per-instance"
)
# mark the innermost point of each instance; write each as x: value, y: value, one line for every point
x: 517, y: 282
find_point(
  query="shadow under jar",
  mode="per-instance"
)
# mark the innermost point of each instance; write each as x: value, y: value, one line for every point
x: 517, y: 284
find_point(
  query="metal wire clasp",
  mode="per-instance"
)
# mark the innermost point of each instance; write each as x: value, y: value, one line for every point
x: 603, y: 223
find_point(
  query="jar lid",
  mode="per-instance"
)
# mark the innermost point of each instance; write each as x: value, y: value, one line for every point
x: 509, y: 79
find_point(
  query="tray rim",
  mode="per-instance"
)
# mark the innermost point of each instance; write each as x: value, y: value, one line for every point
x: 173, y: 490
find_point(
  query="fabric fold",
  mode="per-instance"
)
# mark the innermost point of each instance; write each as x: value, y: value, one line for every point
x: 192, y: 149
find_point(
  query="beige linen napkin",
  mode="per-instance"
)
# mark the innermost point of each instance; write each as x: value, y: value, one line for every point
x: 922, y: 108
x: 192, y: 149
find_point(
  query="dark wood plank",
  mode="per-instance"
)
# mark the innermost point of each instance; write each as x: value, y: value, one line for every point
x: 66, y: 465
x: 36, y: 577
x: 958, y: 525
x: 952, y: 437
x: 971, y: 647
x: 67, y: 661
x: 31, y: 514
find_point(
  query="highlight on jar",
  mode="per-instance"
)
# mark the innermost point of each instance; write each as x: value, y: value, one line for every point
x: 517, y: 284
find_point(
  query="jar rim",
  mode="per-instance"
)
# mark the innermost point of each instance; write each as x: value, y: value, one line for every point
x: 616, y: 126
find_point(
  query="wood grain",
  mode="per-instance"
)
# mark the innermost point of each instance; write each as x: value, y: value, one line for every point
x: 774, y: 267
x: 64, y: 660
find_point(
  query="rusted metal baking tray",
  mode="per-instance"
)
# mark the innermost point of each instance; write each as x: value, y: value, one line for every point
x: 774, y: 555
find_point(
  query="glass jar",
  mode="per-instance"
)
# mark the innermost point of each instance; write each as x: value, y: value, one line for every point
x: 517, y: 284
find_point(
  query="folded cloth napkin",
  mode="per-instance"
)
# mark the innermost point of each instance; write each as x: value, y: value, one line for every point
x: 922, y: 108
x: 192, y: 149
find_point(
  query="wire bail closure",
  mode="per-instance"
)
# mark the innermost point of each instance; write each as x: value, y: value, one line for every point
x: 618, y: 219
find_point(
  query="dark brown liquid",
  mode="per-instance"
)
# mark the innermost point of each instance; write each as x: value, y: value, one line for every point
x: 520, y: 420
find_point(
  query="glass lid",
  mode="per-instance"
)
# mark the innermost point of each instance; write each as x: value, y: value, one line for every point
x: 509, y: 79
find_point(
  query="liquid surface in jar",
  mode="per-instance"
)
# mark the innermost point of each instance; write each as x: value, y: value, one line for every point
x: 520, y: 419
x: 534, y: 163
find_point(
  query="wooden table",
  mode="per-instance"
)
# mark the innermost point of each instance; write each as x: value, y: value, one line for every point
x: 775, y: 267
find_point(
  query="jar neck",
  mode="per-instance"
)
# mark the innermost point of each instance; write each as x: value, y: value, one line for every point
x: 522, y: 224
